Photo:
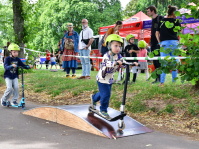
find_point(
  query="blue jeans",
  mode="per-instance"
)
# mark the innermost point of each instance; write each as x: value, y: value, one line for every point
x: 171, y: 44
x: 103, y: 95
x: 86, y: 66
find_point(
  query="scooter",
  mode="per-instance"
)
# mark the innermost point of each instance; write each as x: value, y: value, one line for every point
x: 22, y: 101
x: 121, y: 124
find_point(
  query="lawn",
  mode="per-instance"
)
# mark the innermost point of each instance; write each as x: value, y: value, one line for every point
x: 147, y: 102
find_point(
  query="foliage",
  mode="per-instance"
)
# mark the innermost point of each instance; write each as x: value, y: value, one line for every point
x: 46, y: 20
x: 135, y: 6
x: 189, y: 67
x: 6, y: 23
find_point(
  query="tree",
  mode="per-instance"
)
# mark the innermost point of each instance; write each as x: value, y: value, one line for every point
x: 135, y: 6
x: 46, y: 20
x: 18, y: 24
x: 6, y: 24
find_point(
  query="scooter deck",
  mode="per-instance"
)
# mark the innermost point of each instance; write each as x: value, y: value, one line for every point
x: 111, y: 119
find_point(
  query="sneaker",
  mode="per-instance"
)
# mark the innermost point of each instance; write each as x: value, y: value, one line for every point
x: 3, y: 103
x: 93, y: 104
x: 104, y: 114
x: 82, y: 77
x: 67, y: 76
x: 14, y: 103
x: 161, y: 84
x: 87, y: 77
x: 73, y: 76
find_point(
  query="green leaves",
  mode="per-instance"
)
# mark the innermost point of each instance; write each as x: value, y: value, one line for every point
x: 169, y: 24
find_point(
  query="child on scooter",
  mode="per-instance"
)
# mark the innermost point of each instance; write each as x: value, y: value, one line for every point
x: 131, y: 50
x: 112, y: 60
x: 11, y: 64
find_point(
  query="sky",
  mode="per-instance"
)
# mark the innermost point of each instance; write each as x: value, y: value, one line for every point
x: 124, y: 3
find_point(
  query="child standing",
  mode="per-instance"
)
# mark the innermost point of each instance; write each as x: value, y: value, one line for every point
x: 47, y: 58
x: 131, y: 50
x: 11, y: 64
x: 53, y: 61
x: 112, y: 60
x: 143, y: 53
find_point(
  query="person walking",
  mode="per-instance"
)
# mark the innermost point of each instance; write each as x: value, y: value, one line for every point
x: 70, y: 43
x: 85, y: 41
x: 168, y: 38
x: 152, y: 12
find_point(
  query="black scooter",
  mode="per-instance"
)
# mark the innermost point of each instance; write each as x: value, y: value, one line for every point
x: 22, y: 101
x: 121, y: 124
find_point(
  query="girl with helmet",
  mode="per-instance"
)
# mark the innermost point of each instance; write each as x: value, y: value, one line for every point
x: 112, y: 60
x: 143, y: 53
x: 131, y: 50
x: 11, y: 74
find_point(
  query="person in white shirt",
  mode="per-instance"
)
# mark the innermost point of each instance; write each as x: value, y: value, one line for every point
x: 85, y: 41
x: 112, y: 60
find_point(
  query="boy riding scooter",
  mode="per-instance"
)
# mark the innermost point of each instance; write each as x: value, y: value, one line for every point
x: 11, y: 75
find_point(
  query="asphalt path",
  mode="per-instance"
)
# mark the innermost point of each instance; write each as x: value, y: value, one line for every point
x: 18, y: 131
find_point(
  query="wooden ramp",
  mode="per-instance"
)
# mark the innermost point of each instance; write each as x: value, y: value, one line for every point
x: 77, y: 116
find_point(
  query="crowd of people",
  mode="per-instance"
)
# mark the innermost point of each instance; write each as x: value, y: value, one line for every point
x: 73, y: 44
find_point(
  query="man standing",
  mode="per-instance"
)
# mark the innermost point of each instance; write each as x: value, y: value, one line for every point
x: 152, y: 12
x: 85, y: 41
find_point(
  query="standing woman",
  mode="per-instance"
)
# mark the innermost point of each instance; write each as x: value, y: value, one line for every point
x: 114, y: 30
x: 168, y: 38
x: 70, y: 44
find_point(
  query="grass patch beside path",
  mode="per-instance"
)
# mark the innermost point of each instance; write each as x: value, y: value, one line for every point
x: 174, y: 106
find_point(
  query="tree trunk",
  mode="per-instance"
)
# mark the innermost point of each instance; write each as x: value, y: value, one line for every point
x: 18, y: 25
x: 196, y: 85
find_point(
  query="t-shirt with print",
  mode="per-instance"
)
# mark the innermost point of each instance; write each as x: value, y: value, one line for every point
x: 108, y: 68
x: 168, y: 33
x: 133, y: 54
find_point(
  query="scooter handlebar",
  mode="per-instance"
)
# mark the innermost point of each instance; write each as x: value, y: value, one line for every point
x: 127, y: 63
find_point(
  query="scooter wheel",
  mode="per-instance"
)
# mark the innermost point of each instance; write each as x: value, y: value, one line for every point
x: 89, y: 109
x: 7, y: 103
x: 23, y: 105
x: 121, y: 125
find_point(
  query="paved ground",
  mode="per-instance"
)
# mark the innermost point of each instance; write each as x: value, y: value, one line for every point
x: 23, y: 132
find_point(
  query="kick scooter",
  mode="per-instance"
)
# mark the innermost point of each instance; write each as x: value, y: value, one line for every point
x: 22, y: 102
x: 120, y: 117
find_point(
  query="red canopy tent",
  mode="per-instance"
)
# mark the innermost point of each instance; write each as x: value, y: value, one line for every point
x: 132, y: 25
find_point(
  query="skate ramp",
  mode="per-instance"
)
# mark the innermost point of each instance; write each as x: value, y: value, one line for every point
x: 78, y: 117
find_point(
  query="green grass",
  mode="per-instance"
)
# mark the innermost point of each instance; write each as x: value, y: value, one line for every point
x: 173, y: 96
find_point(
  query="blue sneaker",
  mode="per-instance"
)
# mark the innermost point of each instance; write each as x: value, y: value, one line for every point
x: 93, y: 104
x: 3, y: 103
x: 14, y: 103
x: 104, y: 114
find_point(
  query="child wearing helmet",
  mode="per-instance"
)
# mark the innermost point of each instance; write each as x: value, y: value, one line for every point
x: 131, y: 50
x: 143, y: 53
x: 11, y: 64
x: 112, y: 60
